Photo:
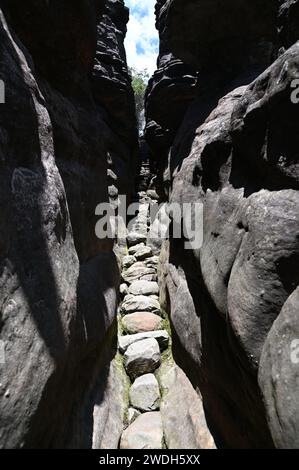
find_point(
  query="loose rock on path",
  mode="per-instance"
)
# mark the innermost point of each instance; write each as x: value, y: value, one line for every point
x: 152, y: 406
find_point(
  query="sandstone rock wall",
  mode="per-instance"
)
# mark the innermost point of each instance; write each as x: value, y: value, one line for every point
x: 234, y: 149
x: 58, y: 282
x: 112, y: 90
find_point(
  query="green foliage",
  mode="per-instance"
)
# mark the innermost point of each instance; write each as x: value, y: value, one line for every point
x: 139, y: 83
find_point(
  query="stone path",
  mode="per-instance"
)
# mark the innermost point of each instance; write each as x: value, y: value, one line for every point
x: 143, y: 336
x: 153, y: 418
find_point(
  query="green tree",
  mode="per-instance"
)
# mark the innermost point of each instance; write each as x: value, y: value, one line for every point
x: 139, y: 83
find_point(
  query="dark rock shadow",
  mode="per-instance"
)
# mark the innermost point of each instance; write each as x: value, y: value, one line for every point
x: 24, y: 186
x: 219, y: 369
x: 72, y: 308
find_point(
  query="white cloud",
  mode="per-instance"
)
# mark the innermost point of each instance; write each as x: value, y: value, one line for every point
x: 142, y: 37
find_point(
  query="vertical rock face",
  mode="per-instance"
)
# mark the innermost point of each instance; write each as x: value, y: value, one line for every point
x: 112, y: 90
x: 58, y: 282
x: 170, y: 92
x: 232, y: 300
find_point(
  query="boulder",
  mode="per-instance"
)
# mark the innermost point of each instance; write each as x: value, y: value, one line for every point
x: 145, y: 393
x: 146, y: 432
x: 142, y: 357
x: 134, y: 238
x: 141, y: 322
x: 144, y: 288
x: 161, y: 336
x: 139, y: 303
x: 139, y: 271
x: 133, y: 249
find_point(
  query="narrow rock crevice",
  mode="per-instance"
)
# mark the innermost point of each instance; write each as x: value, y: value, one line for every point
x: 140, y: 340
x: 164, y: 410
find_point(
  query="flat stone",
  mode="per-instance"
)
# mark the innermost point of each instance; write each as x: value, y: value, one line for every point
x: 145, y: 433
x: 141, y: 322
x: 128, y: 261
x: 138, y: 271
x: 144, y: 288
x: 142, y: 357
x: 145, y: 393
x: 161, y: 336
x: 134, y: 238
x: 143, y: 253
x: 132, y: 415
x: 133, y: 249
x: 139, y: 303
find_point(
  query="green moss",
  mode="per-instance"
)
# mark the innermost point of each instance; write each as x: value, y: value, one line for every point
x: 121, y: 330
x: 119, y: 362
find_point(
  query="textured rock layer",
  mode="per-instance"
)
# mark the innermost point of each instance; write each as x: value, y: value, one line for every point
x: 234, y: 149
x: 58, y: 281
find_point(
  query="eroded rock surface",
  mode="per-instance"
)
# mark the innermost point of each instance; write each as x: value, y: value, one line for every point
x: 146, y: 432
x: 58, y: 281
x: 234, y: 150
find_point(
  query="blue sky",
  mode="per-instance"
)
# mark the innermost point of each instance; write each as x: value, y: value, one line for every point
x: 142, y: 37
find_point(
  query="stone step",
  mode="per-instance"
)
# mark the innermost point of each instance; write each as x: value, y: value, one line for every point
x: 144, y: 288
x: 132, y: 250
x: 145, y: 393
x: 161, y: 336
x: 138, y: 271
x: 142, y: 357
x: 146, y: 432
x: 134, y: 238
x: 140, y: 303
x: 143, y: 253
x: 141, y: 322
